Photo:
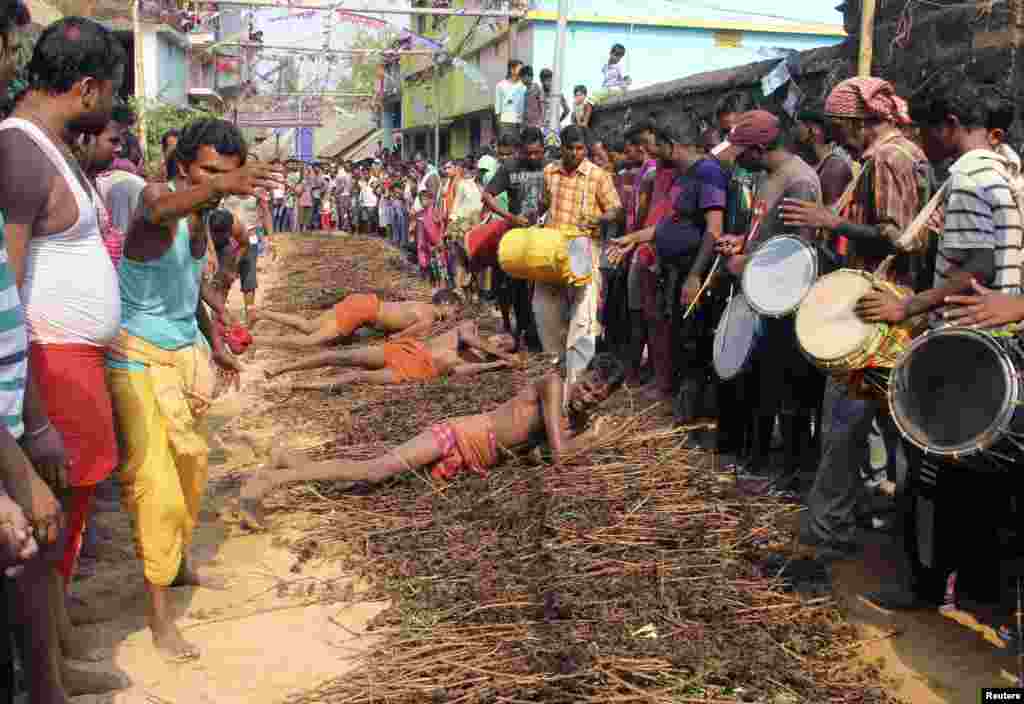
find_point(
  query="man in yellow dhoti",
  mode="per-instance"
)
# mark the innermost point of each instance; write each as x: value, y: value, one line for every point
x: 159, y: 368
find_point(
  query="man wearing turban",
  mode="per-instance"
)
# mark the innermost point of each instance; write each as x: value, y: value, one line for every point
x: 864, y: 115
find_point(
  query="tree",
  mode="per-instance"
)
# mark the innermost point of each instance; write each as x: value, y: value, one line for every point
x: 161, y: 117
x: 363, y: 75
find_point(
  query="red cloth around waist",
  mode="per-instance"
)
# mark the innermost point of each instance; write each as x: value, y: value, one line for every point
x: 72, y: 383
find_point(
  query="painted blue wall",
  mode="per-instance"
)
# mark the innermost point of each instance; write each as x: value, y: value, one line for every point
x: 821, y: 11
x: 303, y: 144
x: 172, y: 71
x: 667, y: 53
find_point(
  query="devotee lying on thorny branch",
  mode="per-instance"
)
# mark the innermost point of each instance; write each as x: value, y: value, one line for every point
x: 470, y: 443
x: 405, y: 319
x: 455, y: 352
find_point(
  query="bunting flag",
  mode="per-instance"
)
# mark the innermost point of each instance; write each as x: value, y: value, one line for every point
x: 363, y: 20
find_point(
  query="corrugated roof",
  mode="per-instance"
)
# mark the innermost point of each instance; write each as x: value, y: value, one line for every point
x: 365, y: 148
x: 811, y: 61
x: 345, y: 140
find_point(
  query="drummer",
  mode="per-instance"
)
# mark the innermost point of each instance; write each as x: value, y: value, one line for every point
x: 893, y: 185
x: 980, y: 241
x: 787, y: 384
x: 981, y: 228
x: 673, y: 240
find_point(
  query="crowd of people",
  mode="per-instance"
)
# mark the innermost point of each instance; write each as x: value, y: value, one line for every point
x: 117, y: 335
x: 678, y: 212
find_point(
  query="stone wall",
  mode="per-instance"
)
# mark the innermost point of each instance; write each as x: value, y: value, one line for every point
x: 696, y: 97
x: 980, y: 41
x: 912, y: 48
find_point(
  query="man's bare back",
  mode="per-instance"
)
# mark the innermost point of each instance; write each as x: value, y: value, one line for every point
x: 403, y: 319
x: 460, y: 352
x: 535, y: 413
x: 399, y: 317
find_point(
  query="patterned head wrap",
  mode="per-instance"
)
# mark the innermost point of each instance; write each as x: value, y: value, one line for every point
x: 865, y: 97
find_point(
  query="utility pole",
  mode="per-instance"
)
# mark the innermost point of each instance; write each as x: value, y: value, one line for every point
x: 437, y: 118
x: 140, y: 79
x: 867, y: 37
x: 559, y: 69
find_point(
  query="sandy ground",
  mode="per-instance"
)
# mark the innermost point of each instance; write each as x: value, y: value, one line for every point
x: 276, y: 631
x: 272, y: 632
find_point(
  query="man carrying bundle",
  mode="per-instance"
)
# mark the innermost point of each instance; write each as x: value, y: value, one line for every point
x: 406, y: 359
x: 405, y: 319
x: 467, y: 444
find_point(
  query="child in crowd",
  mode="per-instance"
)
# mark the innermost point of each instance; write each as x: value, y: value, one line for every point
x: 583, y: 107
x: 612, y: 71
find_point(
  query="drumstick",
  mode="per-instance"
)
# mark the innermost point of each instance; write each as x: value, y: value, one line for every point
x: 707, y: 282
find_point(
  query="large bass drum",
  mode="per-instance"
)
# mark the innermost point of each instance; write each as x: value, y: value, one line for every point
x: 956, y: 394
x: 739, y: 330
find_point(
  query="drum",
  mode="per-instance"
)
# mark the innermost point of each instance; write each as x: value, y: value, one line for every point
x: 956, y: 394
x: 836, y: 340
x: 739, y: 330
x: 547, y: 255
x: 483, y: 240
x: 778, y: 275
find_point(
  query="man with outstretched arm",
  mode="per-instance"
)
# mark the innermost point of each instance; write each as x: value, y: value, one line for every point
x: 159, y: 369
x: 459, y: 445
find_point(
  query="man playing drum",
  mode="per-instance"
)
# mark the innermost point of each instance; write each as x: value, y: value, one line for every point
x: 980, y: 240
x: 786, y: 383
x: 894, y: 184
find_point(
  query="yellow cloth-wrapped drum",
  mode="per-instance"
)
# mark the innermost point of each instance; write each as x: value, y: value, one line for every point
x: 547, y: 255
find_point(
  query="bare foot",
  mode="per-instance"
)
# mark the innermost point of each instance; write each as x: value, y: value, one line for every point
x: 189, y: 576
x: 172, y: 646
x: 250, y: 500
x: 74, y: 646
x: 78, y: 682
x: 282, y: 458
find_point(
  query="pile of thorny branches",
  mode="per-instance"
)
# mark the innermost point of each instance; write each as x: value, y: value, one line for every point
x: 627, y: 575
x: 632, y: 573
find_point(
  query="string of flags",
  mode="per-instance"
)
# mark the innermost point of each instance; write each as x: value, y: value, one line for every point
x: 782, y: 74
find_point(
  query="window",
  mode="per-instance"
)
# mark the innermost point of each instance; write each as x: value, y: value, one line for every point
x: 728, y: 39
x: 474, y: 134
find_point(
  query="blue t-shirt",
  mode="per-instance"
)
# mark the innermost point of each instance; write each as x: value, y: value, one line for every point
x: 703, y: 187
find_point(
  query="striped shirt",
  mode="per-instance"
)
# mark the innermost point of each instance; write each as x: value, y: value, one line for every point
x: 13, y: 347
x: 981, y: 213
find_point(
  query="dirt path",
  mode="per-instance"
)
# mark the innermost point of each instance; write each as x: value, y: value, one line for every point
x: 271, y: 633
x: 275, y: 631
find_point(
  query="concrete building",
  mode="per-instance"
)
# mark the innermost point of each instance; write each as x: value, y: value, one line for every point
x: 658, y: 48
x: 164, y: 48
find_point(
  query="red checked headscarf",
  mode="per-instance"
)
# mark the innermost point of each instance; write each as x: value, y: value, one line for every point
x: 866, y: 97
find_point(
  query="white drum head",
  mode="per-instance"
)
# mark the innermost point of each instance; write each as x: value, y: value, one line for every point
x: 580, y: 262
x: 737, y: 333
x: 826, y: 326
x: 778, y: 275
